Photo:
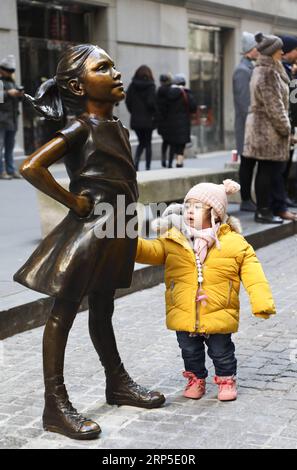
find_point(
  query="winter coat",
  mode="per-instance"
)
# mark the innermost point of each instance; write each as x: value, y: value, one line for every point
x: 223, y: 270
x: 161, y: 108
x: 241, y: 96
x: 9, y: 110
x: 268, y: 126
x: 176, y: 115
x: 141, y: 103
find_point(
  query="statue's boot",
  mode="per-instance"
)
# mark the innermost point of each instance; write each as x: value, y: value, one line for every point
x: 120, y: 388
x: 59, y: 415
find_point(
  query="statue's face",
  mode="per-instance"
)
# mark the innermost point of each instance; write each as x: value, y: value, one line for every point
x: 101, y: 81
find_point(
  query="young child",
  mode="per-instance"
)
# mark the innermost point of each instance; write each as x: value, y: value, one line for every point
x: 205, y: 260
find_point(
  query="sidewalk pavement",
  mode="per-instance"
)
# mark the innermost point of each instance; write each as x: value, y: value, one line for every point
x: 264, y: 415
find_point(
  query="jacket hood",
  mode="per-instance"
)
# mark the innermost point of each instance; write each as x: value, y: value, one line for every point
x: 174, y: 92
x: 173, y: 217
x: 142, y: 84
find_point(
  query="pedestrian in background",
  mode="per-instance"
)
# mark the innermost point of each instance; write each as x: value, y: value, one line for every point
x: 179, y: 105
x: 241, y: 96
x: 165, y: 83
x: 202, y: 300
x: 141, y: 104
x: 9, y: 112
x: 268, y: 129
x: 289, y: 58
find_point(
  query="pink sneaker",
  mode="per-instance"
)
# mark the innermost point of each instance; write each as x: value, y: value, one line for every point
x: 227, y: 387
x: 195, y: 387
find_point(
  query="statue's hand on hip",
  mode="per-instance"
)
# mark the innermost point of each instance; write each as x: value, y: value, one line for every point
x: 83, y: 206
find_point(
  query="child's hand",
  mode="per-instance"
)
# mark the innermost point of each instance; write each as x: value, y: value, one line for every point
x: 262, y: 315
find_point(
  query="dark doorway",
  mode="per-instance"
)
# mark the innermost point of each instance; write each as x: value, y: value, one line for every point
x: 45, y: 30
x: 206, y: 82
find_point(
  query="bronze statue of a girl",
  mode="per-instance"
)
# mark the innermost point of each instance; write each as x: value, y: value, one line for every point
x: 72, y: 261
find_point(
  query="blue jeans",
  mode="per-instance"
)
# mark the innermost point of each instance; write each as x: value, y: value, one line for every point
x: 7, y: 140
x: 220, y: 349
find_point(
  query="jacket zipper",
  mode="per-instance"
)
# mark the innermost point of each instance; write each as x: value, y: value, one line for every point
x: 229, y: 293
x: 197, y: 312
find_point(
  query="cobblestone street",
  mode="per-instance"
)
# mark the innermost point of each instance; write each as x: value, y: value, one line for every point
x: 264, y: 415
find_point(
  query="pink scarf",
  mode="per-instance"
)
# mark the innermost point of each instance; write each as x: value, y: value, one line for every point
x: 203, y: 240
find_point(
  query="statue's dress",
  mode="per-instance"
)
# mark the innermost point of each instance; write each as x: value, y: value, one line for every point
x: 74, y: 259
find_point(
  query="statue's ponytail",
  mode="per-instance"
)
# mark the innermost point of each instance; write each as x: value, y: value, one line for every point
x: 47, y: 100
x: 53, y: 98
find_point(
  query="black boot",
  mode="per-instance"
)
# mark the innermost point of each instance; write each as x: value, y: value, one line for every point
x: 265, y: 216
x: 248, y: 206
x: 60, y: 416
x: 120, y: 388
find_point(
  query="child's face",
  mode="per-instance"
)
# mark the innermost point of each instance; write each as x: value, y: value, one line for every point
x: 196, y: 214
x: 101, y: 81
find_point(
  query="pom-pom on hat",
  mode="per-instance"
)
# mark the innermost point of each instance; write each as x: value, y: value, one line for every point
x: 267, y: 44
x: 214, y: 195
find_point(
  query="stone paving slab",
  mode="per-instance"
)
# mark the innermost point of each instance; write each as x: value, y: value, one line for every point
x: 264, y: 415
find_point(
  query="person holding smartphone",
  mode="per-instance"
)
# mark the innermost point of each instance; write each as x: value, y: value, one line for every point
x: 9, y: 112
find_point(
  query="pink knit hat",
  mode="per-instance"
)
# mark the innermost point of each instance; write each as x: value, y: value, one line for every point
x: 215, y: 196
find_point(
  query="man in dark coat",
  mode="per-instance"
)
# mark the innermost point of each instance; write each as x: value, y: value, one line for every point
x: 241, y: 95
x: 289, y: 58
x: 9, y: 104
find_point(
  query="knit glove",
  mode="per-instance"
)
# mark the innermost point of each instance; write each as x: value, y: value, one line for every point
x: 174, y: 208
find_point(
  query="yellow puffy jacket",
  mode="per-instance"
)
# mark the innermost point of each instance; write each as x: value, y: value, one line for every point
x: 223, y: 270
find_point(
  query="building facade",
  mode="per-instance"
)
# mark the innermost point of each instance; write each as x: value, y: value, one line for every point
x: 198, y: 37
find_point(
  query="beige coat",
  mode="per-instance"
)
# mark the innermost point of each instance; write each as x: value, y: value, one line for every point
x: 267, y: 129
